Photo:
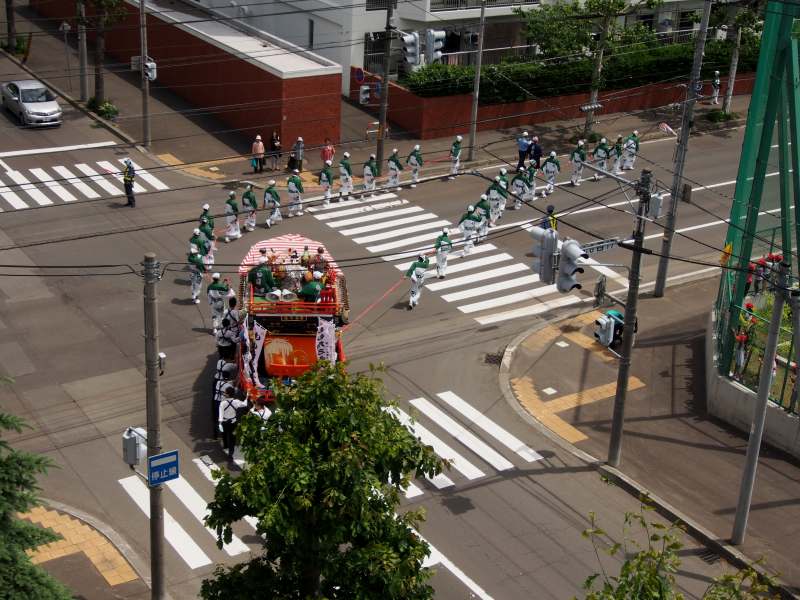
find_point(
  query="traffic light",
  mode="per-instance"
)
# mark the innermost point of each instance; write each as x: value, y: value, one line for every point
x: 545, y: 243
x: 604, y: 330
x: 363, y: 94
x: 434, y: 41
x: 411, y: 50
x: 568, y: 267
x: 150, y: 70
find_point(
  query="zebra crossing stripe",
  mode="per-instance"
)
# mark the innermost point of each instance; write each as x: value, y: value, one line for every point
x: 467, y: 279
x: 507, y: 439
x: 351, y: 202
x: 529, y: 311
x: 411, y: 491
x: 470, y: 440
x: 361, y: 209
x: 369, y: 213
x: 152, y: 180
x: 441, y: 481
x: 204, y: 463
x: 405, y: 242
x: 491, y: 288
x: 11, y: 197
x: 454, y: 256
x: 59, y: 190
x: 30, y: 189
x: 94, y: 176
x: 509, y: 299
x: 116, y: 173
x: 70, y: 178
x: 199, y: 508
x: 405, y: 231
x: 388, y: 224
x: 176, y: 535
x: 468, y: 265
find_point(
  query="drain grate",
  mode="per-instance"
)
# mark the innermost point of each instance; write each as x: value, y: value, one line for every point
x: 493, y: 358
x: 709, y: 556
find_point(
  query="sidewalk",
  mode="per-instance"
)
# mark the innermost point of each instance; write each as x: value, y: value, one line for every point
x: 672, y: 447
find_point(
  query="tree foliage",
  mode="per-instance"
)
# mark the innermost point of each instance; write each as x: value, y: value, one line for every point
x: 19, y: 578
x: 323, y: 476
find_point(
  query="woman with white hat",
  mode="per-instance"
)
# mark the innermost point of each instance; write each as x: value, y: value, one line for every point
x: 257, y: 152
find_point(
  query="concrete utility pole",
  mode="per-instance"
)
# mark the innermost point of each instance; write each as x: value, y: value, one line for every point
x: 760, y: 409
x: 151, y: 277
x: 596, y: 72
x: 726, y: 104
x: 82, y: 54
x: 65, y: 28
x: 680, y: 153
x: 618, y: 420
x: 384, y: 110
x: 145, y: 79
x: 476, y: 86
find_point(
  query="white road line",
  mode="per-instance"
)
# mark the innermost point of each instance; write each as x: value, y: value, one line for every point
x: 491, y: 288
x: 11, y: 197
x: 470, y: 440
x: 376, y: 215
x: 460, y: 463
x: 406, y: 242
x: 199, y: 508
x: 468, y: 279
x: 529, y: 311
x: 412, y: 491
x: 176, y: 535
x: 359, y: 210
x: 509, y: 299
x: 4, y: 165
x: 154, y: 182
x: 205, y: 464
x: 388, y: 224
x: 59, y: 190
x: 33, y: 151
x: 437, y: 558
x: 456, y: 255
x: 94, y: 176
x: 30, y: 189
x: 352, y: 202
x: 116, y: 173
x: 70, y: 178
x: 508, y: 440
x: 405, y: 231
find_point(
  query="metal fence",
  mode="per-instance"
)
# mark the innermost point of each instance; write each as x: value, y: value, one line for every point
x: 438, y: 5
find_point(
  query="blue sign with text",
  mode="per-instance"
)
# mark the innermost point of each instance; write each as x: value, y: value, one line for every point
x: 163, y: 467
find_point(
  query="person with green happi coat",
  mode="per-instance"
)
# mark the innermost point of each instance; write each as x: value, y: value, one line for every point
x: 250, y: 205
x: 416, y: 272
x: 295, y: 187
x: 232, y: 218
x: 326, y: 181
x: 198, y: 240
x: 370, y: 174
x: 272, y: 202
x: 483, y: 208
x: 395, y: 166
x: 261, y: 278
x: 207, y: 215
x: 550, y: 167
x: 577, y: 157
x: 217, y: 297
x: 630, y: 148
x: 468, y: 224
x: 345, y: 175
x: 520, y: 186
x: 415, y: 161
x: 443, y: 246
x: 455, y: 157
x: 196, y: 270
x: 601, y: 155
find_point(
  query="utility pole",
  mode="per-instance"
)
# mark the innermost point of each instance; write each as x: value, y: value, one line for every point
x: 476, y: 86
x: 618, y: 420
x: 82, y: 54
x: 596, y: 72
x: 151, y: 277
x: 726, y: 104
x: 680, y: 152
x: 145, y: 79
x: 760, y: 409
x: 384, y: 110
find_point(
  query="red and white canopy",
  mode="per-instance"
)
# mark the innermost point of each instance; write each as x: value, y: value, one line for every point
x: 283, y: 245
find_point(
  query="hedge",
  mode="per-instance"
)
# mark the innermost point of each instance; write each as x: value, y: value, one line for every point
x: 515, y: 82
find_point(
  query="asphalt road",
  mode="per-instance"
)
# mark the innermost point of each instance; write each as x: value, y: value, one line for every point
x: 509, y: 525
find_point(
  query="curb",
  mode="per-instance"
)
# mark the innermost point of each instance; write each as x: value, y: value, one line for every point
x: 630, y: 485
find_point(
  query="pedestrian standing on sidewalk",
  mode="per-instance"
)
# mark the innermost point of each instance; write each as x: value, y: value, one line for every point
x: 416, y: 272
x: 232, y: 218
x: 274, y: 150
x: 295, y: 186
x: 455, y: 157
x: 370, y: 173
x: 577, y: 158
x: 394, y: 170
x: 523, y: 149
x: 415, y: 161
x: 550, y: 168
x: 250, y: 206
x: 272, y: 202
x: 299, y: 149
x: 128, y: 179
x: 326, y: 181
x: 443, y: 247
x: 345, y: 176
x: 715, y: 84
x: 257, y: 155
x: 328, y: 151
x: 536, y: 152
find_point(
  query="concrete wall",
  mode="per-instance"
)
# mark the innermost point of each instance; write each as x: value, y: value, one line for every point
x: 734, y: 403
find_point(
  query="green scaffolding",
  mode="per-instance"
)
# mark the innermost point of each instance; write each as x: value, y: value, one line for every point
x: 762, y: 219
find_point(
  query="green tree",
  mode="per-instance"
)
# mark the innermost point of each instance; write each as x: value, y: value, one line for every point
x: 19, y: 578
x: 11, y: 26
x: 105, y: 14
x: 323, y: 476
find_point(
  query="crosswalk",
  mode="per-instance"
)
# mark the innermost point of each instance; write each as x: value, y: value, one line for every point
x: 476, y: 445
x: 488, y: 284
x: 62, y: 184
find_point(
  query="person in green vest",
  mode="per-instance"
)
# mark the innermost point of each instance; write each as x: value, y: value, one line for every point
x: 520, y: 186
x: 550, y: 167
x: 443, y: 247
x: 630, y: 147
x: 577, y: 157
x: 210, y: 239
x: 497, y: 198
x: 207, y: 215
x: 326, y: 181
x: 197, y: 269
x: 295, y: 186
x: 504, y: 183
x: 531, y: 173
x: 395, y: 166
x: 601, y: 154
x: 217, y: 296
x: 232, y: 230
x: 455, y: 157
x: 345, y: 176
x: 370, y: 173
x: 199, y: 241
x: 468, y: 223
x: 272, y: 202
x: 416, y: 272
x: 311, y: 290
x: 250, y: 206
x: 261, y: 278
x: 415, y: 161
x: 483, y: 209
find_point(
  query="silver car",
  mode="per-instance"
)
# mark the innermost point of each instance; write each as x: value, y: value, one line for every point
x: 31, y: 102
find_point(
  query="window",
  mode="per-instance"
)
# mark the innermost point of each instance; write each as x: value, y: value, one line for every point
x: 311, y: 34
x: 647, y: 20
x: 688, y: 19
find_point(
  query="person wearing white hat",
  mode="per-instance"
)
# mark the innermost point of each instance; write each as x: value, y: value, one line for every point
x: 415, y: 161
x: 250, y: 205
x: 210, y: 240
x: 199, y: 241
x: 455, y: 157
x: 550, y: 167
x: 128, y: 180
x: 443, y: 247
x: 629, y: 150
x: 196, y: 269
x: 577, y: 157
x: 601, y: 154
x: 520, y: 186
x: 326, y: 181
x: 217, y: 293
x: 370, y: 173
x: 272, y: 202
x: 232, y: 232
x: 617, y: 153
x: 206, y: 214
x: 483, y: 208
x: 715, y: 85
x: 394, y: 170
x: 345, y: 175
x: 416, y: 272
x: 523, y: 148
x: 299, y: 152
x: 257, y: 155
x: 295, y: 186
x: 467, y: 224
x: 227, y: 417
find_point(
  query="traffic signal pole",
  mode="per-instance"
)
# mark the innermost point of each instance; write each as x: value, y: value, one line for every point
x: 476, y: 86
x: 618, y: 419
x: 145, y: 79
x: 384, y: 109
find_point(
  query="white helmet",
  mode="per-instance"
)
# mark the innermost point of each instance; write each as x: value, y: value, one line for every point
x: 317, y: 275
x: 520, y: 169
x: 524, y: 134
x: 497, y: 177
x: 470, y: 208
x: 459, y: 138
x: 329, y: 162
x: 372, y: 156
x: 215, y: 276
x: 635, y: 132
x: 346, y: 155
x: 206, y: 207
x: 231, y: 194
x: 262, y: 259
x: 295, y: 171
x: 416, y: 147
x: 553, y: 153
x: 271, y: 182
x: 580, y: 142
x: 394, y: 150
x: 484, y: 197
x: 196, y: 231
x: 503, y: 171
x: 716, y: 72
x: 603, y: 140
x: 445, y: 230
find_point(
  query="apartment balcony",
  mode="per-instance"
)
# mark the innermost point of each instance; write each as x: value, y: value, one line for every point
x: 443, y: 5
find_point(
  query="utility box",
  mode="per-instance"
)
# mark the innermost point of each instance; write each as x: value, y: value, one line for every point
x: 608, y: 328
x: 363, y: 94
x: 134, y: 445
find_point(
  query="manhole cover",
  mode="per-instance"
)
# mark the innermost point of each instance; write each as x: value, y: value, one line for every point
x: 493, y: 358
x: 709, y: 557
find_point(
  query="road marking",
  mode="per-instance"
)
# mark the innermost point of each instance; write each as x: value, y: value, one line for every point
x: 474, y: 264
x: 116, y: 173
x: 60, y: 190
x: 33, y: 151
x: 470, y: 440
x: 388, y: 224
x: 30, y: 189
x: 4, y: 165
x: 352, y: 202
x: 11, y: 197
x: 509, y: 299
x: 204, y: 463
x: 588, y: 343
x: 529, y: 311
x: 96, y: 178
x: 405, y: 231
x: 407, y: 241
x: 437, y: 558
x: 412, y: 491
x: 457, y: 255
x: 491, y: 288
x: 359, y: 210
x: 507, y: 439
x: 467, y: 279
x: 199, y: 509
x: 70, y: 178
x: 176, y: 535
x: 375, y: 215
x: 584, y: 397
x: 154, y: 182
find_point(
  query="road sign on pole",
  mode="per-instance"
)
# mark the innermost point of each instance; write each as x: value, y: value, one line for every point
x: 601, y: 246
x: 163, y: 467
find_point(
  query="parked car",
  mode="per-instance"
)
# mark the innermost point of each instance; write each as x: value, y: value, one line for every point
x: 31, y: 102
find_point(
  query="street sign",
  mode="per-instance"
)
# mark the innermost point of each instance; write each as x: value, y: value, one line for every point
x: 601, y: 246
x: 162, y: 468
x: 359, y: 75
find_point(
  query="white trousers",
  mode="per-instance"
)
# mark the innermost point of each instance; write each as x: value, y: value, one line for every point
x: 414, y: 174
x: 416, y: 289
x: 394, y: 178
x: 520, y: 194
x: 197, y: 283
x: 441, y: 262
x: 469, y: 235
x: 369, y: 182
x: 345, y: 185
x: 628, y: 158
x: 295, y: 204
x: 326, y: 188
x: 250, y: 222
x: 275, y: 216
x: 232, y: 230
x: 577, y: 171
x: 551, y: 183
x: 714, y: 95
x: 455, y: 165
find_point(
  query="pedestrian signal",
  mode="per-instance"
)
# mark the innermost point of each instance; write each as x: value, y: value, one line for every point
x: 434, y: 42
x: 568, y: 266
x: 363, y: 94
x: 545, y: 245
